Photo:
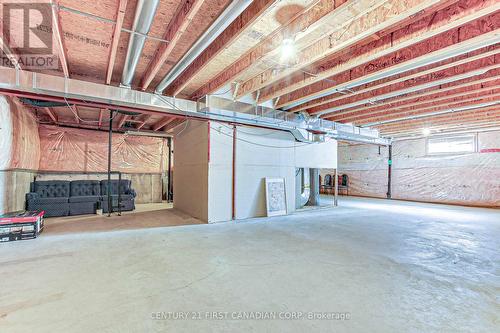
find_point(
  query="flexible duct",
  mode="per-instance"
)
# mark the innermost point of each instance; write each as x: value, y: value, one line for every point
x: 303, y: 187
x: 144, y: 15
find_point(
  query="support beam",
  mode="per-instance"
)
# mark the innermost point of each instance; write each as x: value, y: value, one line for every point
x: 51, y: 114
x: 175, y: 29
x: 120, y: 14
x: 232, y: 32
x: 162, y: 123
x: 463, y: 14
x: 56, y: 27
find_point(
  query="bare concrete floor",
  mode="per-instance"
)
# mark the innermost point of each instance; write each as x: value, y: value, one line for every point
x: 384, y: 266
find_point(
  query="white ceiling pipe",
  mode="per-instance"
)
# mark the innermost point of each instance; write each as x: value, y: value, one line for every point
x: 232, y: 11
x: 144, y: 15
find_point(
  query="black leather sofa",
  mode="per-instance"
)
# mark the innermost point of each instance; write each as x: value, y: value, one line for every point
x: 62, y: 198
x: 50, y: 196
x: 126, y: 192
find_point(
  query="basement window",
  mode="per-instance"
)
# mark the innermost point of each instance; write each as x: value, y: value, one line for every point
x: 451, y: 145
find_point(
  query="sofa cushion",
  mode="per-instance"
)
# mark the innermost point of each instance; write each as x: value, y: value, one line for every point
x: 81, y: 188
x: 48, y: 201
x: 52, y: 188
x: 87, y: 198
x: 124, y: 186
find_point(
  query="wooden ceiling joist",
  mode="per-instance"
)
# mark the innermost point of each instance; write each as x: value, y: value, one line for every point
x: 124, y: 118
x: 483, y: 115
x: 120, y: 14
x: 233, y: 31
x: 446, y: 117
x: 483, y: 92
x: 162, y: 123
x: 144, y: 121
x: 56, y: 26
x: 469, y: 102
x: 51, y: 114
x: 384, y: 47
x: 359, y: 27
x: 437, y: 91
x: 317, y: 89
x: 477, y: 71
x: 175, y: 29
x: 311, y: 16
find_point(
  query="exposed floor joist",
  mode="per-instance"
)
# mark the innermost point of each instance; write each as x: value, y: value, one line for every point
x: 388, y: 46
x: 120, y: 14
x: 252, y: 13
x: 175, y: 30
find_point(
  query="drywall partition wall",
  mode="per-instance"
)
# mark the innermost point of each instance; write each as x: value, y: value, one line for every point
x: 220, y: 172
x: 259, y: 153
x: 191, y: 168
x: 466, y: 179
x: 19, y: 153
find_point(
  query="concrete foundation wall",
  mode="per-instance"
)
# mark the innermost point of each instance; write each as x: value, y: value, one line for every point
x: 466, y: 179
x: 14, y: 184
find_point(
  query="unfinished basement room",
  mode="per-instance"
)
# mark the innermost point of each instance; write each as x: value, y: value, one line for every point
x: 250, y: 166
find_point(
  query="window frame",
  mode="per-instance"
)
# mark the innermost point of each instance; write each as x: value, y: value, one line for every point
x: 450, y: 137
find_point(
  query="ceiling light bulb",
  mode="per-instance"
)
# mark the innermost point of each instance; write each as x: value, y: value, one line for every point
x: 426, y: 132
x: 287, y: 49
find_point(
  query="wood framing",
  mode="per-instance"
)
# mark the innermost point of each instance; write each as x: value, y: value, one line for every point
x: 379, y: 49
x: 359, y: 20
x: 120, y: 14
x: 56, y: 27
x: 386, y: 73
x: 400, y: 101
x: 233, y: 31
x: 315, y: 15
x: 175, y: 29
x: 434, y: 102
x: 162, y: 123
x: 51, y: 114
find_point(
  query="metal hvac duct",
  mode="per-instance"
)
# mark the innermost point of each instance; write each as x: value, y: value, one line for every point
x: 232, y: 11
x: 144, y: 15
